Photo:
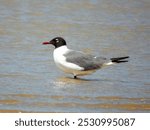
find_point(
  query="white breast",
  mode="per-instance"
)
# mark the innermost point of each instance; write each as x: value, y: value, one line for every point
x: 61, y: 62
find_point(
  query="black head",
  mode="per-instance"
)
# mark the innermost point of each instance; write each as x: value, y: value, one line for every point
x: 57, y: 42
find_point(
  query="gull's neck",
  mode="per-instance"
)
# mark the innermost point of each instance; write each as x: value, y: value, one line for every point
x: 61, y: 50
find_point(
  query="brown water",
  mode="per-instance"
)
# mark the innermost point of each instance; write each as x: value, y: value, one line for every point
x: 29, y: 79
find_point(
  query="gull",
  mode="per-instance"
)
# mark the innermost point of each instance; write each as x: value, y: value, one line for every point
x: 78, y: 63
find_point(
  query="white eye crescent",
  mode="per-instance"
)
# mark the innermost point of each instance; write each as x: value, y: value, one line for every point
x: 57, y: 40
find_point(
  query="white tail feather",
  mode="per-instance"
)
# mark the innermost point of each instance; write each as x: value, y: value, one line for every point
x: 109, y: 63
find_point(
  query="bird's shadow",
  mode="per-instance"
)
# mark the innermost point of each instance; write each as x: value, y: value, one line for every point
x: 78, y: 80
x: 75, y: 81
x: 83, y: 79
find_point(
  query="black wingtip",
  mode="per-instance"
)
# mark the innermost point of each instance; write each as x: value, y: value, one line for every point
x: 120, y: 59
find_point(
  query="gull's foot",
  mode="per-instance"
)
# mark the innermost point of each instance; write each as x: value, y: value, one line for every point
x: 75, y: 77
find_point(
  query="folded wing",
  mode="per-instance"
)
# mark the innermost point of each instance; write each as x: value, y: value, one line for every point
x: 88, y: 62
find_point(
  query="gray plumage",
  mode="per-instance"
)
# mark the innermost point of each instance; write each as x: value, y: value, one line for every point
x: 88, y: 62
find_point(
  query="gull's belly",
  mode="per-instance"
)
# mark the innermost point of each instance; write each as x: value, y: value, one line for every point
x: 73, y: 70
x: 70, y: 67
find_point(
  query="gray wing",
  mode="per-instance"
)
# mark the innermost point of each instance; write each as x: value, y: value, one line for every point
x: 88, y: 62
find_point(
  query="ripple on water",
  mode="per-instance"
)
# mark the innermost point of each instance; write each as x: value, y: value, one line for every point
x: 85, y: 102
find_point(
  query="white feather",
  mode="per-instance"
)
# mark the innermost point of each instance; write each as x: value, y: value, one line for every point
x: 109, y: 63
x: 61, y: 62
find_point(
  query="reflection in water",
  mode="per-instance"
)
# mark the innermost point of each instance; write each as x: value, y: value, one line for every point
x: 71, y: 80
x: 63, y: 82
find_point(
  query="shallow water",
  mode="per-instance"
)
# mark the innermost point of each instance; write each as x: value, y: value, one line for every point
x: 29, y: 79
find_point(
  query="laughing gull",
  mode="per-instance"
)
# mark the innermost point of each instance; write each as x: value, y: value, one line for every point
x: 76, y: 62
